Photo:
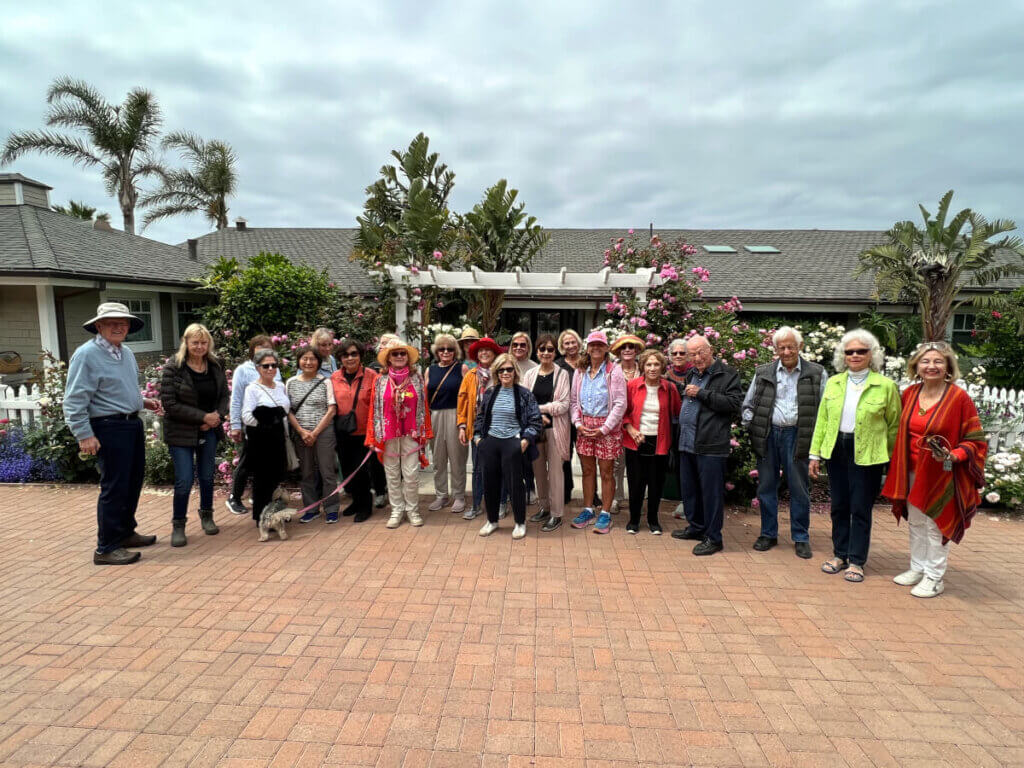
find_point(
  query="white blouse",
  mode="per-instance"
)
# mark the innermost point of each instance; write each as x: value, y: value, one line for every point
x: 650, y: 413
x: 257, y: 394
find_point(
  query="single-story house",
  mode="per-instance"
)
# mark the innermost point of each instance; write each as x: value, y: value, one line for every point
x: 55, y: 270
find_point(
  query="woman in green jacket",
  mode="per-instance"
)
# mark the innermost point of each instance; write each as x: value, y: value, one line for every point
x: 855, y: 433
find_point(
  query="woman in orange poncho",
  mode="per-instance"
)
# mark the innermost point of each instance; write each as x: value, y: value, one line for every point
x: 937, y: 467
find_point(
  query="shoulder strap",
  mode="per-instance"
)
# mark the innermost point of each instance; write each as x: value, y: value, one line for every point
x: 320, y: 380
x: 443, y: 379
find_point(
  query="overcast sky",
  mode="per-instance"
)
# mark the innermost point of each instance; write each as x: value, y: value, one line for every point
x: 834, y: 115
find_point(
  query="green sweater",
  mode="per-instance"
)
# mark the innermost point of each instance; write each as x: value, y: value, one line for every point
x: 878, y: 419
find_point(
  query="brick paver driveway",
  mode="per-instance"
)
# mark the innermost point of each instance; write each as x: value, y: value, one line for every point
x: 355, y: 645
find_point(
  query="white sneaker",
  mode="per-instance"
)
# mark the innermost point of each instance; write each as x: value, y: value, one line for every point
x: 615, y: 507
x: 439, y: 503
x: 488, y: 528
x: 909, y: 578
x: 459, y: 506
x: 503, y: 510
x: 395, y: 520
x: 415, y: 518
x: 519, y: 532
x: 531, y: 498
x: 928, y: 588
x: 678, y: 514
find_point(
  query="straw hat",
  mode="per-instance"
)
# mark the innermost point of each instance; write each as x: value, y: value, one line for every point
x: 390, y: 345
x: 469, y: 334
x: 627, y: 338
x: 109, y: 310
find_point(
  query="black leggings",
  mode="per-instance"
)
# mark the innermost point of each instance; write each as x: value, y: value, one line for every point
x: 267, y: 463
x: 645, y: 473
x: 502, y: 462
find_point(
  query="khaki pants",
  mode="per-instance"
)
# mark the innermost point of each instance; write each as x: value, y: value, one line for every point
x: 550, y: 480
x: 620, y: 481
x: 448, y: 451
x: 401, y: 467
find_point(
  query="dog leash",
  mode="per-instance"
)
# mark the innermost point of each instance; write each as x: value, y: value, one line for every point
x: 341, y: 485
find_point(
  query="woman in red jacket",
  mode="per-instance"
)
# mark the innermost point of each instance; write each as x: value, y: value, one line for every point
x: 651, y: 403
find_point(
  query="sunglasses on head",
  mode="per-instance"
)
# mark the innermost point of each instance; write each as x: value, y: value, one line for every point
x: 849, y: 352
x: 937, y: 346
x: 506, y: 370
x: 268, y: 366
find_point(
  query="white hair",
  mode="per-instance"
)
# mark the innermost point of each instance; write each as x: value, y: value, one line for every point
x: 785, y: 331
x: 866, y: 338
x: 677, y: 343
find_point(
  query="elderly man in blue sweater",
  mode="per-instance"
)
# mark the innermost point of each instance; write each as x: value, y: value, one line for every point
x: 101, y: 407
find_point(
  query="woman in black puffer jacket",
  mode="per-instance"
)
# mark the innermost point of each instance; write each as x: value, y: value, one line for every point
x: 194, y: 393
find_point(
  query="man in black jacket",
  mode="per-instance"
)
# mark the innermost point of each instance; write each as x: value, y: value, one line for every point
x: 712, y: 395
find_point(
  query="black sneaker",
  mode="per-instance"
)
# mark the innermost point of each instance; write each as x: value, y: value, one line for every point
x: 539, y: 516
x: 235, y: 507
x: 689, y: 533
x: 551, y: 524
x: 707, y: 547
x: 632, y: 528
x: 655, y: 530
x: 119, y: 556
x: 362, y: 515
x: 764, y: 543
x: 803, y: 550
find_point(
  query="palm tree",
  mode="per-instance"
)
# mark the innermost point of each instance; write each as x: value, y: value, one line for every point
x: 81, y: 211
x: 204, y: 187
x: 117, y: 139
x: 933, y: 264
x: 494, y: 241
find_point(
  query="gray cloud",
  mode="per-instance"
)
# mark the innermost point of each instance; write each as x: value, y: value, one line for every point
x: 832, y: 115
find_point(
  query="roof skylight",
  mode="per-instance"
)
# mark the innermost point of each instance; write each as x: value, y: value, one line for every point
x: 719, y: 248
x: 761, y: 249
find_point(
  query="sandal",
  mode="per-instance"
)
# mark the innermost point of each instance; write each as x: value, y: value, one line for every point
x: 854, y: 576
x: 835, y: 565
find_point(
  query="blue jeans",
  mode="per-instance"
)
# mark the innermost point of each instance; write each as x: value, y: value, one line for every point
x: 779, y: 450
x: 702, y: 489
x: 854, y: 489
x: 122, y: 465
x: 190, y: 460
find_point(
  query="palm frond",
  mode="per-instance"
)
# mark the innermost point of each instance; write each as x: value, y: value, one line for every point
x: 48, y: 143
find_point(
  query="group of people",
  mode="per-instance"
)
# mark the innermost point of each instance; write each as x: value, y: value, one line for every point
x: 629, y: 412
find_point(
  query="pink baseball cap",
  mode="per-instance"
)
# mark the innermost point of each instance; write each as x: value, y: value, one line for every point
x: 597, y: 337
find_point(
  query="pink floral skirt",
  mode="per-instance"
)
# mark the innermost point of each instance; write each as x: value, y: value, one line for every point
x: 604, y: 447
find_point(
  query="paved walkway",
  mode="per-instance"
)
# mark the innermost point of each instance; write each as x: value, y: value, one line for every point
x: 355, y: 645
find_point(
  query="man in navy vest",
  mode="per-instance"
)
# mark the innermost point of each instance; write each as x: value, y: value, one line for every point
x: 779, y: 411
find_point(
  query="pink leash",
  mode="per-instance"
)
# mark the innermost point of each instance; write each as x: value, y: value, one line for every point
x: 341, y: 485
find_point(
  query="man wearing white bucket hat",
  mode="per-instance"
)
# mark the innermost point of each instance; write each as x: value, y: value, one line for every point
x: 101, y: 407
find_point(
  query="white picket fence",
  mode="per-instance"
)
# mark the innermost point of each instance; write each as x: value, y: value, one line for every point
x: 22, y: 403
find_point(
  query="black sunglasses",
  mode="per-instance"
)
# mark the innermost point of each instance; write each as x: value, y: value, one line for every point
x: 849, y: 352
x: 518, y: 345
x: 506, y: 370
x: 268, y: 366
x: 400, y: 353
x: 545, y: 349
x: 446, y: 349
x: 350, y: 354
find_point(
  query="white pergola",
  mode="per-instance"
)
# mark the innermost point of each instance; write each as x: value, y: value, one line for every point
x: 553, y: 284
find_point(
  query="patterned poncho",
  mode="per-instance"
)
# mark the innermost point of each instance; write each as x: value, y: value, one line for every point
x: 382, y: 408
x: 948, y: 498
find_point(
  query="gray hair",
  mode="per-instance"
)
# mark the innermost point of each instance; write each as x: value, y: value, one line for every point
x: 699, y: 337
x: 866, y: 338
x: 785, y: 331
x: 677, y: 343
x: 263, y: 354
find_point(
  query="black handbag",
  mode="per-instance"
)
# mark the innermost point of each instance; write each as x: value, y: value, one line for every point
x: 345, y: 424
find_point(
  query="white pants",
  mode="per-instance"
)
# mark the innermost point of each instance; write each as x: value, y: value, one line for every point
x: 448, y: 451
x: 927, y: 552
x: 401, y: 468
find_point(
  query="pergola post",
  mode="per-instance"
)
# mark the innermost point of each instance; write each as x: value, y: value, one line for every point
x: 401, y: 309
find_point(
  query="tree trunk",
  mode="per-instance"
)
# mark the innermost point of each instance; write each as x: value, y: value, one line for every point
x: 492, y: 303
x: 935, y: 320
x: 129, y: 219
x: 127, y: 197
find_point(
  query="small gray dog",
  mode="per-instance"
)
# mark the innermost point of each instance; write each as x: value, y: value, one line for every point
x: 275, y: 515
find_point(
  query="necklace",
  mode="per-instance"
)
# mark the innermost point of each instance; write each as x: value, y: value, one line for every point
x: 921, y: 408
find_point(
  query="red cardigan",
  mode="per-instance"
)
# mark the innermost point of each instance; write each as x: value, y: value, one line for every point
x: 669, y: 405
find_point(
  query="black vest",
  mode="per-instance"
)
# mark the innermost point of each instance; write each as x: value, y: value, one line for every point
x: 808, y: 395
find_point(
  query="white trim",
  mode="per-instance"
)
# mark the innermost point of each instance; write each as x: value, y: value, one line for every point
x: 175, y: 298
x: 154, y: 311
x: 552, y: 303
x: 9, y: 280
x: 46, y: 306
x: 19, y: 194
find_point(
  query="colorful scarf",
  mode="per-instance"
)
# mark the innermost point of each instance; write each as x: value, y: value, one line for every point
x: 949, y: 498
x: 483, y: 381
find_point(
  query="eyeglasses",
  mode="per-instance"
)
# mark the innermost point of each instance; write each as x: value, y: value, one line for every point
x: 350, y: 354
x: 678, y: 353
x: 851, y: 352
x: 633, y: 347
x: 518, y: 345
x: 506, y: 370
x: 268, y: 366
x: 546, y: 349
x: 445, y: 349
x: 399, y: 353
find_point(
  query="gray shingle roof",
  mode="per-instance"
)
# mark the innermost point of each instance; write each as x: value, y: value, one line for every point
x: 9, y: 177
x: 39, y: 240
x: 318, y: 248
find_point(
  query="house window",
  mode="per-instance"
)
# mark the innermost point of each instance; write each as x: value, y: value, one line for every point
x: 147, y: 308
x: 186, y: 313
x: 963, y: 328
